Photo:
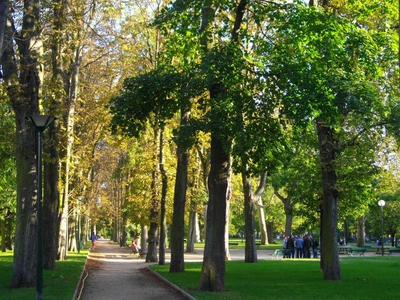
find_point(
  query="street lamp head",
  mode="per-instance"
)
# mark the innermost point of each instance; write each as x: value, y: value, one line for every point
x: 41, y: 122
x: 381, y: 203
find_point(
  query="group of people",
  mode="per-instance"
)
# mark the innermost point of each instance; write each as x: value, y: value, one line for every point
x: 301, y: 246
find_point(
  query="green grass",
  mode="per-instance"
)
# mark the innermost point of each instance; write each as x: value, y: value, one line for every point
x: 58, y: 284
x: 363, y: 278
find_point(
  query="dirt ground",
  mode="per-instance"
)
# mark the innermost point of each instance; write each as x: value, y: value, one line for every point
x: 114, y: 273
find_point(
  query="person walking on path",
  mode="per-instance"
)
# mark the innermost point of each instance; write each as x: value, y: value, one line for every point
x: 93, y: 238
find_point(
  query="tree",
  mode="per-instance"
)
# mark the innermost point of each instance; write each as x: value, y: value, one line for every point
x: 322, y: 80
x: 21, y: 74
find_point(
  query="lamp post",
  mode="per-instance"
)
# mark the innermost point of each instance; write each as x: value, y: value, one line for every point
x: 41, y: 123
x: 382, y: 203
x: 79, y: 223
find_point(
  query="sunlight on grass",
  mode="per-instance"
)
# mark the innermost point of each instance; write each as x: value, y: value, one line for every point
x: 299, y: 278
x: 58, y: 284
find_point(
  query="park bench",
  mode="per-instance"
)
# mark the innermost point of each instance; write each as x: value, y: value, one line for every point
x: 393, y: 251
x: 360, y: 251
x: 233, y: 244
x: 283, y: 252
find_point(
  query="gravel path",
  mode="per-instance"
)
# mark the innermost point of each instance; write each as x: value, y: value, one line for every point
x: 114, y: 273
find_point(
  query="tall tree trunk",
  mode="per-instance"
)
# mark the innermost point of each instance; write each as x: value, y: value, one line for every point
x: 213, y: 269
x: 3, y: 234
x: 226, y: 238
x: 143, y: 240
x: 361, y: 231
x: 330, y: 257
x: 154, y: 217
x: 178, y: 218
x: 163, y: 214
x: 262, y: 224
x: 72, y: 96
x: 23, y: 89
x: 51, y: 203
x: 250, y: 254
x: 193, y: 234
x: 270, y: 232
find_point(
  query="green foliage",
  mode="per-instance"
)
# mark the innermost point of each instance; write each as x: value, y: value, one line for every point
x: 8, y: 185
x: 144, y: 98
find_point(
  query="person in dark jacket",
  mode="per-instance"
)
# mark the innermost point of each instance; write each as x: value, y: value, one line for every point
x: 290, y: 245
x: 307, y: 246
x: 315, y: 245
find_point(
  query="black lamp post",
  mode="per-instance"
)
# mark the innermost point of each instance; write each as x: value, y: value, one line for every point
x: 40, y: 123
x: 382, y: 203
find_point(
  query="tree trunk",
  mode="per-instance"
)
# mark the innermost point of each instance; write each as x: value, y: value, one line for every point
x: 361, y: 232
x: 163, y: 215
x: 262, y: 224
x: 330, y: 257
x: 193, y: 235
x: 72, y: 96
x: 213, y: 269
x: 51, y: 202
x: 143, y: 241
x: 249, y: 232
x: 23, y: 88
x: 178, y: 218
x: 270, y: 232
x: 3, y: 234
x: 226, y: 238
x: 154, y: 217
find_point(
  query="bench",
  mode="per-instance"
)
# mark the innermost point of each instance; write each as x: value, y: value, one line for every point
x: 360, y: 251
x: 233, y: 244
x: 393, y: 251
x: 283, y: 252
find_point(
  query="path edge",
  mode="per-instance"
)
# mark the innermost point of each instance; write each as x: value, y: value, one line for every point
x: 175, y: 287
x: 79, y: 284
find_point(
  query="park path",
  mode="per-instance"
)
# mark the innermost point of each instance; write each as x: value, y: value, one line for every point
x: 114, y: 273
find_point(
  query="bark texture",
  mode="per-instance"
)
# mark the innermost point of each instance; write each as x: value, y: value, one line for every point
x: 178, y: 218
x: 213, y: 270
x: 330, y: 257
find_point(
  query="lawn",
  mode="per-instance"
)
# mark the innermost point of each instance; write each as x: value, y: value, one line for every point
x: 58, y: 284
x: 374, y: 277
x: 363, y: 278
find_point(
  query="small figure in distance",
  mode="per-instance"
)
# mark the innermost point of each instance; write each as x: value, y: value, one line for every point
x: 93, y: 238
